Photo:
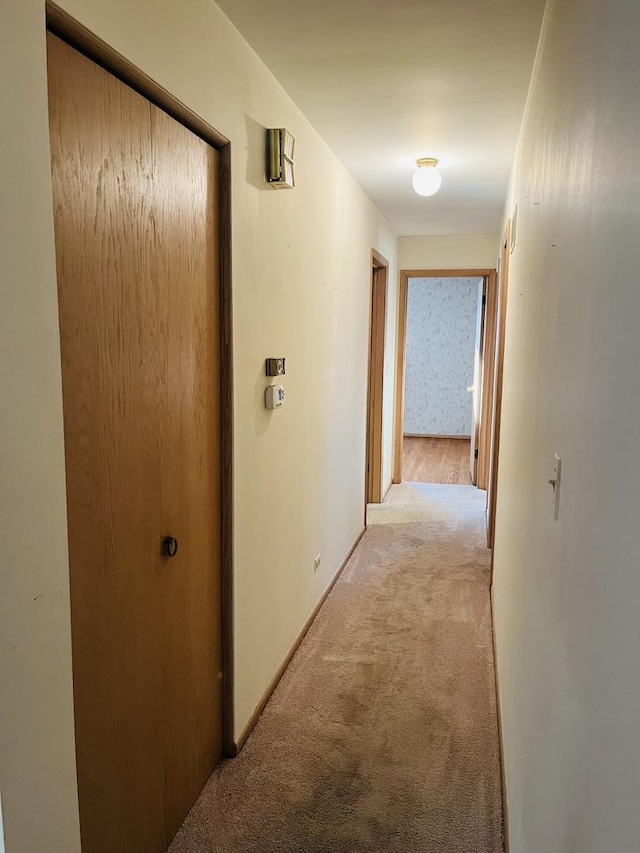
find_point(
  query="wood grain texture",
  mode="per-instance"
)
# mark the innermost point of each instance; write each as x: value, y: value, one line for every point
x: 186, y: 249
x: 376, y: 379
x: 226, y: 437
x: 136, y: 244
x: 471, y: 273
x: 62, y: 24
x: 71, y: 31
x: 112, y: 445
x: 488, y: 368
x: 436, y: 460
x: 501, y: 322
x: 403, y: 294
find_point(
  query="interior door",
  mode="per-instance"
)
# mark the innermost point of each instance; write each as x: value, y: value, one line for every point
x: 376, y: 380
x: 488, y: 363
x: 501, y: 323
x: 476, y: 388
x: 136, y: 230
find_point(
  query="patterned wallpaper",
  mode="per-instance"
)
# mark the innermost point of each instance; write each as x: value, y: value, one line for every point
x: 441, y: 335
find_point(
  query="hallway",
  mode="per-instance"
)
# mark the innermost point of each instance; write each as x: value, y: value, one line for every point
x: 382, y: 734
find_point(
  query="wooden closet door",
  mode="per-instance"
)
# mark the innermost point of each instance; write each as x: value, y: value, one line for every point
x: 136, y: 246
x: 185, y: 173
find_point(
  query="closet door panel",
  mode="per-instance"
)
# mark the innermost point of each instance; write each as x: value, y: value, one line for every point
x: 113, y: 369
x: 186, y: 231
x: 136, y: 227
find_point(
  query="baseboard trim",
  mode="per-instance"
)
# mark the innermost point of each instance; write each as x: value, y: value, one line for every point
x: 434, y: 435
x: 505, y: 803
x: 242, y: 739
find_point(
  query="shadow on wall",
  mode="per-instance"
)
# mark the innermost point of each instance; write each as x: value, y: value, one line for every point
x: 263, y: 416
x: 256, y: 154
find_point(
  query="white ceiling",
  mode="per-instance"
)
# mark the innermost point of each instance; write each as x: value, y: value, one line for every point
x: 387, y: 81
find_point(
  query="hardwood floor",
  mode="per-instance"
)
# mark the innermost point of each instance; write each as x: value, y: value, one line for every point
x: 436, y: 460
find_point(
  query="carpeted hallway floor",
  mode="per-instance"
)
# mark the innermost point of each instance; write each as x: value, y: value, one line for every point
x: 382, y: 734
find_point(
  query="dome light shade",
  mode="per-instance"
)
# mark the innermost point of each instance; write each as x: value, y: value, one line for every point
x: 427, y: 179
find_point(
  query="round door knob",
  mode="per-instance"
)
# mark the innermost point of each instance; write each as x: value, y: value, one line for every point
x: 169, y: 546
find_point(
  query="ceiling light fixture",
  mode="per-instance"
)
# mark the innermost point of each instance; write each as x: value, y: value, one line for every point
x: 427, y: 178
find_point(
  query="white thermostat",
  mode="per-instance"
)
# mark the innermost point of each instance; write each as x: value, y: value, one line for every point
x: 274, y: 396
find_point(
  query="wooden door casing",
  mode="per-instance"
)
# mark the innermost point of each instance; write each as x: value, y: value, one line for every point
x: 501, y: 325
x: 484, y: 415
x: 135, y: 217
x: 379, y: 274
x: 477, y: 384
x: 488, y: 370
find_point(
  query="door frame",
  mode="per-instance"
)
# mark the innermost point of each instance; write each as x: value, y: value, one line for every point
x: 501, y: 323
x: 488, y: 275
x: 488, y: 352
x: 478, y: 363
x: 63, y: 25
x: 374, y: 492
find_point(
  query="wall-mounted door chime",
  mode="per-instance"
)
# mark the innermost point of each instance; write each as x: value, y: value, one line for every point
x: 275, y: 367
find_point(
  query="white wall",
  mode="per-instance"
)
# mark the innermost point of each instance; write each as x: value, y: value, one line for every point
x: 448, y: 253
x: 37, y: 760
x: 567, y: 593
x: 442, y: 315
x: 301, y: 275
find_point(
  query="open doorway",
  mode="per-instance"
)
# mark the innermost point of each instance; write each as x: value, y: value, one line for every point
x: 444, y: 376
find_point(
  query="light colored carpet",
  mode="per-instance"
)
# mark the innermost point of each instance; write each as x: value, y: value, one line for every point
x: 382, y: 734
